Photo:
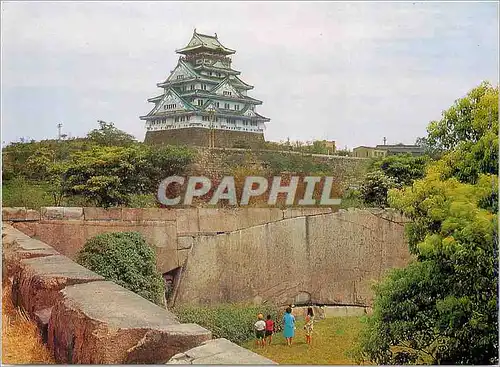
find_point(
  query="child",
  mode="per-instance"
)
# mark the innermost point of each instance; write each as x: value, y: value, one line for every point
x: 260, y: 327
x: 309, y: 326
x: 269, y: 329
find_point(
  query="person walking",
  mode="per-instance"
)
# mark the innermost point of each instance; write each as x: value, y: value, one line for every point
x: 309, y: 325
x: 269, y: 329
x: 260, y: 327
x: 288, y: 326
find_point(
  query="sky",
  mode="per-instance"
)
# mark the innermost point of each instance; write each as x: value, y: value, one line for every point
x: 345, y: 71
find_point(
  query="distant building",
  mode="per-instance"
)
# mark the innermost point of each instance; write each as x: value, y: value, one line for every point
x: 330, y: 145
x: 368, y: 152
x: 400, y: 148
x: 204, y: 102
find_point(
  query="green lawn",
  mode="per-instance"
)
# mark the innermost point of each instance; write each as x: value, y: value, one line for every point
x: 331, y: 339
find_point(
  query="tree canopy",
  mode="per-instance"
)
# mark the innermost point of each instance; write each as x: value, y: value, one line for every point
x: 442, y: 308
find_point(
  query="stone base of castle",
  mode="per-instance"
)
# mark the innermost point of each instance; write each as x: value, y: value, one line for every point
x: 196, y: 136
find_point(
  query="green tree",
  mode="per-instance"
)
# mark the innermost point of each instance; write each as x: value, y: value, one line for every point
x: 375, y: 187
x: 468, y: 120
x: 403, y: 168
x: 442, y: 308
x: 38, y: 164
x: 109, y: 176
x: 109, y: 135
x: 126, y: 259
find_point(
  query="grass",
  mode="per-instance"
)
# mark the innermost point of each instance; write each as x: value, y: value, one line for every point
x: 21, y: 340
x: 332, y: 338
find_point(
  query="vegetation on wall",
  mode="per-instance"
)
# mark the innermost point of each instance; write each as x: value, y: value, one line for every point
x: 126, y: 259
x: 443, y: 307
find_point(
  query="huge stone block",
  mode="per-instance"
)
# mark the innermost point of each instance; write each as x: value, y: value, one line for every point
x: 52, y: 213
x: 40, y: 279
x: 102, y: 213
x: 219, y: 351
x: 73, y: 213
x: 150, y: 214
x: 187, y: 220
x: 103, y: 323
x: 17, y: 246
x: 13, y: 214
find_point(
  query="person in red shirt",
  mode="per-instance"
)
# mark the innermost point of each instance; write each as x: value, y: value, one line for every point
x: 269, y: 329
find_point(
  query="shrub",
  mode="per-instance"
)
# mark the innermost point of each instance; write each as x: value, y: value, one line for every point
x: 232, y: 321
x: 375, y: 187
x: 126, y: 259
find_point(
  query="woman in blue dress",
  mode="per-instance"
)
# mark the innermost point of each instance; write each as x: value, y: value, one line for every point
x: 288, y: 326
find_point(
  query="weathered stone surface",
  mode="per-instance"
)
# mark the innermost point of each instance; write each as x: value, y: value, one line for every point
x: 13, y: 214
x: 52, y: 213
x: 27, y: 227
x: 335, y: 258
x: 156, y: 214
x: 238, y: 266
x: 40, y: 279
x: 185, y: 242
x: 17, y: 246
x: 200, y: 137
x: 166, y: 259
x: 32, y: 215
x: 73, y: 213
x: 187, y: 220
x: 102, y: 213
x: 42, y: 318
x: 219, y: 351
x: 103, y: 323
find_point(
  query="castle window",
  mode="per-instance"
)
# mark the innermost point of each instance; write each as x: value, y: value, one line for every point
x: 226, y: 106
x: 176, y: 119
x: 200, y: 102
x: 204, y: 86
x: 218, y: 74
x: 237, y: 107
x: 216, y: 104
x: 180, y: 77
x: 191, y: 87
x: 226, y: 93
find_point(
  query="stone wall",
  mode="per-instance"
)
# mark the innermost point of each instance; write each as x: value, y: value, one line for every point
x: 247, y: 254
x: 332, y: 258
x: 84, y: 319
x: 216, y: 163
x: 197, y: 136
x: 67, y: 229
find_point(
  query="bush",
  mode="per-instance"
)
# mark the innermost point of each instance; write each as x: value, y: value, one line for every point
x: 126, y: 259
x: 233, y: 321
x: 20, y: 192
x: 375, y: 187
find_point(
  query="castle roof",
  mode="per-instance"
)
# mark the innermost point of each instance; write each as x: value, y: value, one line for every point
x: 200, y: 42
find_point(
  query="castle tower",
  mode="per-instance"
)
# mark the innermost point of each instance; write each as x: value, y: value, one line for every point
x: 204, y: 102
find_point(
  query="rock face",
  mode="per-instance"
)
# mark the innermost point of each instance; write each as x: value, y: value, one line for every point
x: 41, y: 279
x: 93, y: 325
x: 323, y: 259
x: 219, y: 351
